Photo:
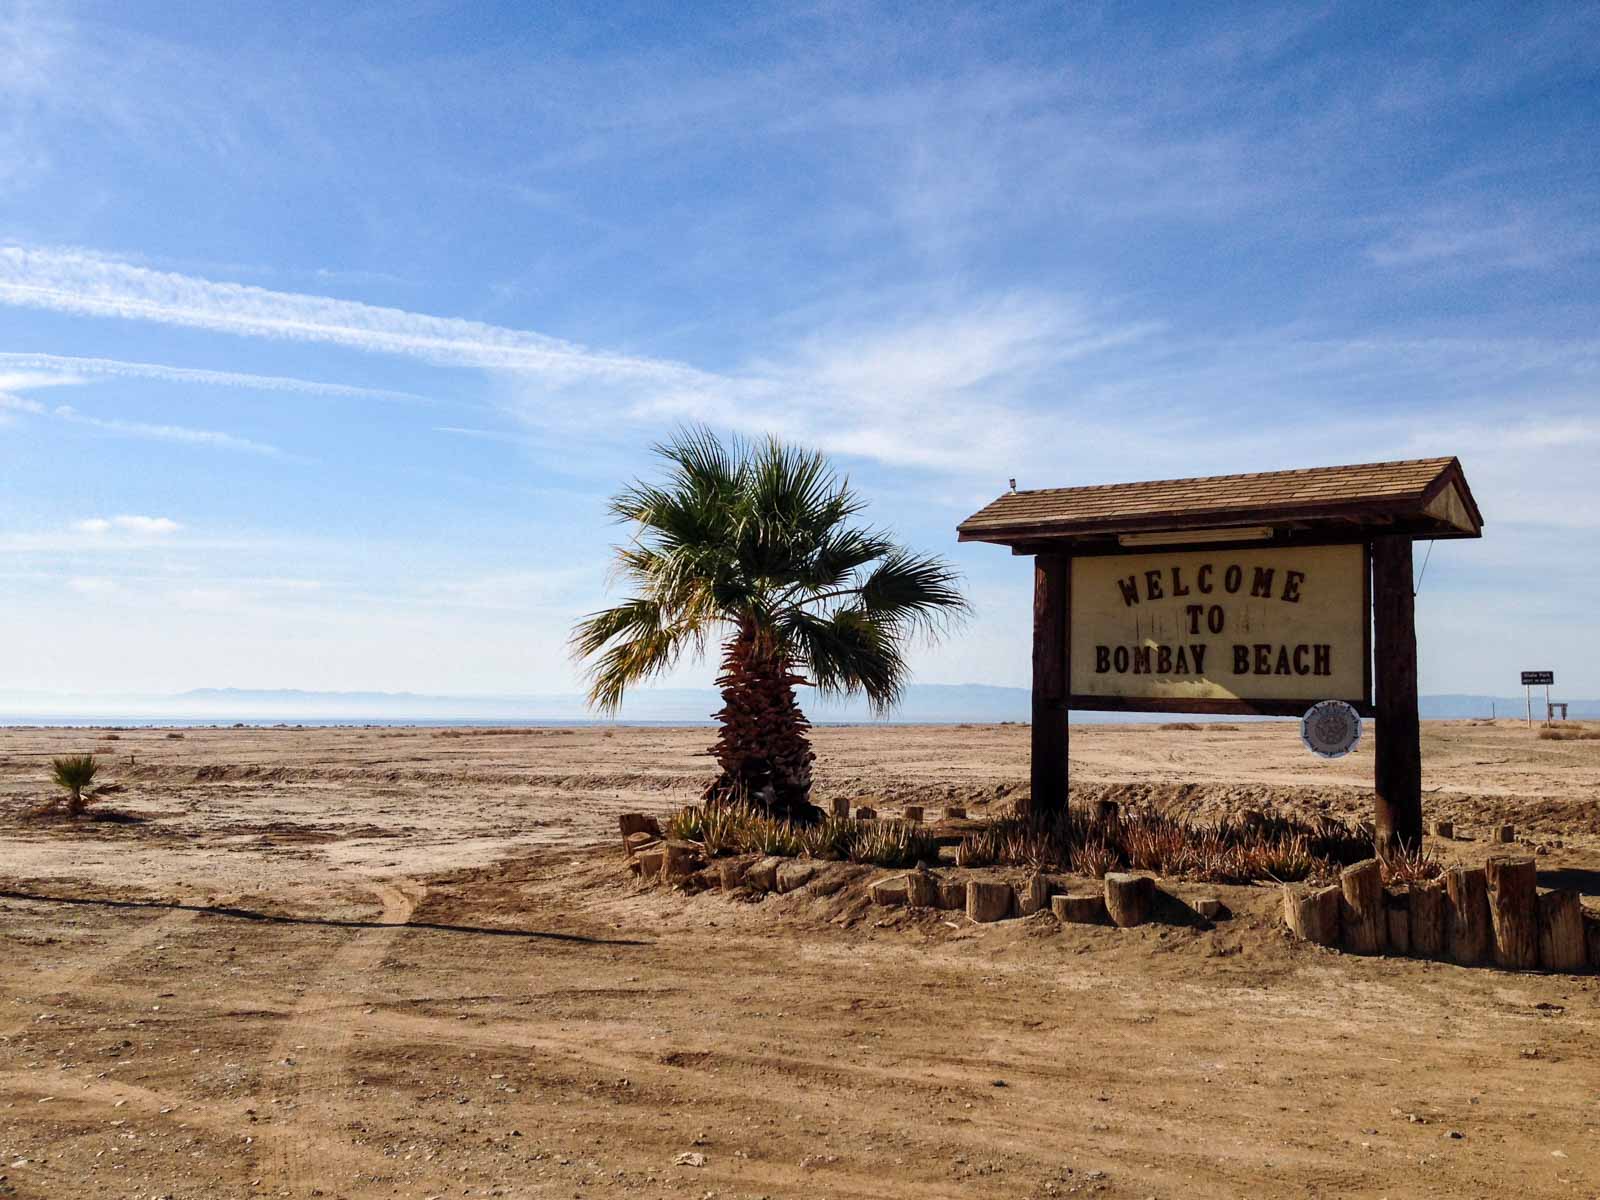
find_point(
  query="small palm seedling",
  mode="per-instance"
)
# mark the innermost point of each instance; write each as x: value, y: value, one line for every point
x: 74, y: 774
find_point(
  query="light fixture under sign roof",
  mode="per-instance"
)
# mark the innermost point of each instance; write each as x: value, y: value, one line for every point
x: 1185, y: 537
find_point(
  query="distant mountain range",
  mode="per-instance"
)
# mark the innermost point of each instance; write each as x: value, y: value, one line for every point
x: 925, y: 703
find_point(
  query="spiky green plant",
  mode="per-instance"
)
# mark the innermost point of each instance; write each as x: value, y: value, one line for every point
x: 687, y: 823
x: 895, y: 844
x: 1410, y: 866
x: 755, y: 545
x: 722, y: 827
x: 1285, y: 859
x: 1094, y: 859
x: 833, y: 838
x: 767, y: 835
x: 75, y: 773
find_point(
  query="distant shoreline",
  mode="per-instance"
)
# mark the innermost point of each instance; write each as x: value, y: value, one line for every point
x: 114, y: 723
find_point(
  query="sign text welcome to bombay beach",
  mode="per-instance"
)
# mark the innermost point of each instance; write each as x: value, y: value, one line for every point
x: 1226, y: 624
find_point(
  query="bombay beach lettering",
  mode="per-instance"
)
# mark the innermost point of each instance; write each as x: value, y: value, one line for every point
x: 1269, y: 624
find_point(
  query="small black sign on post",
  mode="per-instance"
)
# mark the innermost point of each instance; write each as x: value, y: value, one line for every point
x: 1533, y: 679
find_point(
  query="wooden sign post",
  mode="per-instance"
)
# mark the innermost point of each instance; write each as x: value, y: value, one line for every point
x: 1255, y: 594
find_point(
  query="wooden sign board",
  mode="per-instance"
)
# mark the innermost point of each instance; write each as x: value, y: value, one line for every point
x: 1230, y: 629
x: 1261, y: 593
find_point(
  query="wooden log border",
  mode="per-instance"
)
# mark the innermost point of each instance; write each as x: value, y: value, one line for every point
x: 1491, y: 915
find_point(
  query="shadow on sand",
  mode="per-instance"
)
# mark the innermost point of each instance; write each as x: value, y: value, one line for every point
x: 1578, y: 878
x: 248, y: 914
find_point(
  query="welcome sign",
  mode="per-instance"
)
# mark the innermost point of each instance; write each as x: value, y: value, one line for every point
x: 1220, y: 625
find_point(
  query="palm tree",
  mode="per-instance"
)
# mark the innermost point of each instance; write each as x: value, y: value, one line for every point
x: 75, y: 773
x: 754, y: 545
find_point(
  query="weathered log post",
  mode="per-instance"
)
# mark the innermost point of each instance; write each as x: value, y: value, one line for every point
x: 1561, y: 931
x: 1591, y: 938
x: 1362, y: 916
x: 1080, y: 910
x: 888, y: 892
x: 731, y: 872
x: 680, y: 859
x: 922, y: 889
x: 1129, y: 898
x: 1033, y: 896
x: 1467, y: 915
x: 1514, y: 911
x: 988, y: 901
x: 1397, y: 914
x: 1428, y: 937
x: 1312, y: 913
x: 632, y: 823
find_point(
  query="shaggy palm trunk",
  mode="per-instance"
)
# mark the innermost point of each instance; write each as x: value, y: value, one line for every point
x: 75, y: 805
x: 762, y: 748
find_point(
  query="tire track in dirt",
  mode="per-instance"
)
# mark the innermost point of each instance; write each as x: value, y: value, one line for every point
x: 72, y: 1092
x: 307, y: 1065
x: 88, y: 966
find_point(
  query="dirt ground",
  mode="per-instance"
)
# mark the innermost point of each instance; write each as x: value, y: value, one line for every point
x: 406, y: 963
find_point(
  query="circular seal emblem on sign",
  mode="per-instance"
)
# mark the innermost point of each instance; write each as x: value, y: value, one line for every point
x: 1331, y: 728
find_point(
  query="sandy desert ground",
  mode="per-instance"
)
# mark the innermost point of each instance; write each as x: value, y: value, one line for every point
x: 406, y: 963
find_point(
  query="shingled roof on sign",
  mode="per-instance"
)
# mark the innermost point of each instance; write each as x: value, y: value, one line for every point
x: 1425, y: 497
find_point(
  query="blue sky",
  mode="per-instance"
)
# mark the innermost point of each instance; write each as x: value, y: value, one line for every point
x: 327, y: 329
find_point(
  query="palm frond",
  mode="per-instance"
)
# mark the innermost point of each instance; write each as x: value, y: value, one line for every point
x: 838, y: 555
x: 915, y: 591
x: 630, y: 643
x: 704, y: 464
x: 848, y: 651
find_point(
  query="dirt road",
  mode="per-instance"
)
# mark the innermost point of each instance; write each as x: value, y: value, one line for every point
x: 404, y: 964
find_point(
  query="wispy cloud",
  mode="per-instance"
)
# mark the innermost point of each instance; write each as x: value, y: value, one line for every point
x: 94, y: 585
x: 12, y: 382
x: 79, y: 283
x: 928, y: 389
x: 144, y: 526
x: 943, y: 389
x: 43, y: 370
x: 167, y: 433
x: 99, y: 537
x: 16, y: 404
x: 487, y: 435
x: 1463, y: 240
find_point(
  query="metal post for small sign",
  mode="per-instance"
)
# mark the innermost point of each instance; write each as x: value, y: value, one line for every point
x: 1533, y: 679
